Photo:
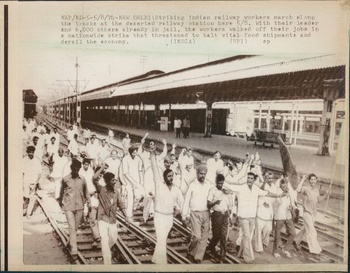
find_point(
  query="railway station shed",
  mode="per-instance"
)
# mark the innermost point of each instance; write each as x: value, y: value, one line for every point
x: 153, y: 98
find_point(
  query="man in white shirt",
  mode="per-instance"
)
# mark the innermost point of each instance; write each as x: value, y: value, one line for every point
x: 167, y: 202
x: 133, y: 176
x: 103, y: 151
x: 25, y: 138
x: 283, y: 216
x: 92, y: 149
x: 59, y: 161
x: 177, y: 127
x: 31, y: 175
x: 264, y: 217
x: 221, y: 203
x: 70, y: 134
x: 215, y: 163
x: 195, y: 208
x: 86, y: 135
x: 113, y: 163
x: 73, y: 146
x: 38, y: 148
x: 248, y: 195
x: 52, y: 147
x: 87, y: 172
x: 186, y: 158
x: 56, y: 134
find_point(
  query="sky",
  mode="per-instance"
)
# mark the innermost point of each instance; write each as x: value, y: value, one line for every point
x: 48, y: 67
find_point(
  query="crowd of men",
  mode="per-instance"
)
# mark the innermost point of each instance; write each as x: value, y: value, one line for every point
x: 95, y: 180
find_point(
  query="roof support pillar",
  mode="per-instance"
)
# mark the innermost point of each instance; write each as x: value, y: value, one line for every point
x: 268, y: 121
x: 296, y: 125
x: 291, y: 130
x: 332, y: 90
x: 208, y: 119
x: 260, y: 113
x: 323, y: 148
x: 139, y: 116
x: 157, y: 117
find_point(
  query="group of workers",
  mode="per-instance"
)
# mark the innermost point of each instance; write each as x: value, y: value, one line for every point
x: 96, y: 181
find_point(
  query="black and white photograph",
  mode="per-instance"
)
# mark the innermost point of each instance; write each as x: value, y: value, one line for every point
x: 176, y: 136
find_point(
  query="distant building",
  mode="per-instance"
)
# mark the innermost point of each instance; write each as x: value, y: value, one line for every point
x: 29, y: 103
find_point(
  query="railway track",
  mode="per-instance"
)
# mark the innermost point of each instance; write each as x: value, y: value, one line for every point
x: 137, y: 242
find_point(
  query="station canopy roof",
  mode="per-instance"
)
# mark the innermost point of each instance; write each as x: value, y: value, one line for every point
x: 238, y: 78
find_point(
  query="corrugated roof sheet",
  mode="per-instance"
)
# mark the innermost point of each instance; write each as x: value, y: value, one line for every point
x: 239, y: 68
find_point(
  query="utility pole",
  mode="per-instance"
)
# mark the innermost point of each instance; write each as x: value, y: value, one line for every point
x: 143, y: 60
x: 78, y: 112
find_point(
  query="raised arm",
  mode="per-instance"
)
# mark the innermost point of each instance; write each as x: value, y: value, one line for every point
x: 154, y: 166
x: 243, y: 172
x: 300, y: 185
x: 96, y: 176
x: 173, y: 149
x: 165, y: 149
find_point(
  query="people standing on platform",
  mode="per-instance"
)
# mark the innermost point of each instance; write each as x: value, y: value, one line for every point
x: 196, y: 211
x: 73, y: 147
x: 311, y: 199
x: 73, y: 195
x: 221, y: 203
x: 86, y: 135
x: 132, y: 171
x: 109, y: 201
x: 59, y: 160
x: 248, y: 195
x: 214, y: 164
x: 30, y: 176
x: 87, y: 172
x: 186, y: 126
x: 264, y: 216
x: 177, y: 127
